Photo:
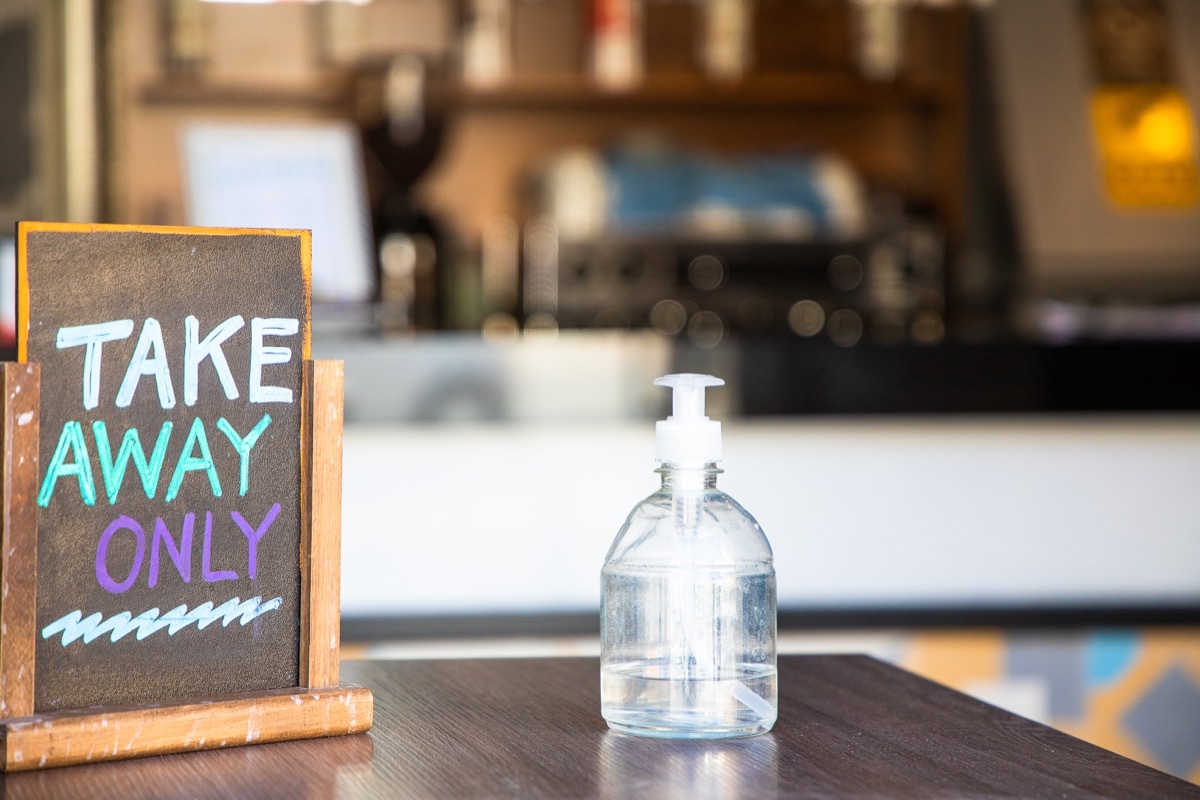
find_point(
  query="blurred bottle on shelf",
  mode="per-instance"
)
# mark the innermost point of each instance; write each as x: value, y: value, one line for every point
x: 616, y: 43
x: 726, y: 49
x: 185, y: 37
x: 879, y: 37
x: 487, y: 42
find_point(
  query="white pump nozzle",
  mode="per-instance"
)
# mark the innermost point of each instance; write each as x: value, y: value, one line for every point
x: 688, y: 435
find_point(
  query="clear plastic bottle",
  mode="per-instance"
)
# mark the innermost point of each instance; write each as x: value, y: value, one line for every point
x: 687, y: 626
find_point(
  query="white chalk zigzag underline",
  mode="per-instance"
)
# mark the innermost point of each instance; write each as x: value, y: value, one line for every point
x: 74, y: 625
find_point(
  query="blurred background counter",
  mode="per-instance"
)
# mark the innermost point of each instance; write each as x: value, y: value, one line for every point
x: 991, y: 487
x: 513, y: 465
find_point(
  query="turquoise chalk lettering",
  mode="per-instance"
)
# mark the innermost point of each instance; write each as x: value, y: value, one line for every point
x: 243, y: 446
x: 71, y: 439
x: 196, y: 439
x: 113, y: 470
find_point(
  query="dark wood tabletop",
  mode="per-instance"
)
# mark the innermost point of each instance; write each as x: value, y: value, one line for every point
x: 849, y: 727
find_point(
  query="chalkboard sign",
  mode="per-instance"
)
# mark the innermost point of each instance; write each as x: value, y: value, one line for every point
x: 174, y: 470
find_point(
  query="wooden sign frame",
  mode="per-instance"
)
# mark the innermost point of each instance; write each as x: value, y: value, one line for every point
x: 319, y: 706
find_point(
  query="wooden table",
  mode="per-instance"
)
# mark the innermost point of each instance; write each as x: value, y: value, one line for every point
x: 849, y: 727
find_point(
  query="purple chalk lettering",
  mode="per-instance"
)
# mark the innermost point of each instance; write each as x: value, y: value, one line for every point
x: 254, y: 536
x: 212, y: 576
x: 181, y: 555
x: 128, y: 524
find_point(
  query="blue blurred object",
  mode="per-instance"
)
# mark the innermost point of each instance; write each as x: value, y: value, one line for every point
x: 655, y: 188
x: 649, y: 186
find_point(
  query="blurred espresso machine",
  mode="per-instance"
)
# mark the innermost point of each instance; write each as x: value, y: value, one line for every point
x: 647, y: 234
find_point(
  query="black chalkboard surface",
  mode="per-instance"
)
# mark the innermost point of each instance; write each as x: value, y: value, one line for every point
x: 169, y: 492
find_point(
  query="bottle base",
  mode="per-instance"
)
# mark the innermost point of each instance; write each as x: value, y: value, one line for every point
x: 645, y: 700
x: 690, y: 733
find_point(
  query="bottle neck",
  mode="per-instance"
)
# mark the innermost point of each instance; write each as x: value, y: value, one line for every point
x: 689, y: 476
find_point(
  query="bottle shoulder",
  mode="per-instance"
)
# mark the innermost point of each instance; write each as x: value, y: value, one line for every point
x: 702, y: 528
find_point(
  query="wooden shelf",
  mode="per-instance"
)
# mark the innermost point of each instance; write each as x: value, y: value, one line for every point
x: 325, y: 94
x: 790, y: 92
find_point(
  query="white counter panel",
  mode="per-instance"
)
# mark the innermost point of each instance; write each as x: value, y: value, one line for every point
x: 510, y: 518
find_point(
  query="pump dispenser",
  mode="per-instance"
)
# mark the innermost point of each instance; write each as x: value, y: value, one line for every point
x: 687, y: 629
x: 687, y: 435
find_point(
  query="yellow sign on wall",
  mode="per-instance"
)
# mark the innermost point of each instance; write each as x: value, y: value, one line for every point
x: 1147, y: 146
x: 1143, y: 124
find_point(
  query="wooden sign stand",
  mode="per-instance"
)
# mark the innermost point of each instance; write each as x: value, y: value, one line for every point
x: 319, y: 706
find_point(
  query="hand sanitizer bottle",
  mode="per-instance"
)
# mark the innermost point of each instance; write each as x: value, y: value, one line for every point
x: 687, y: 619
